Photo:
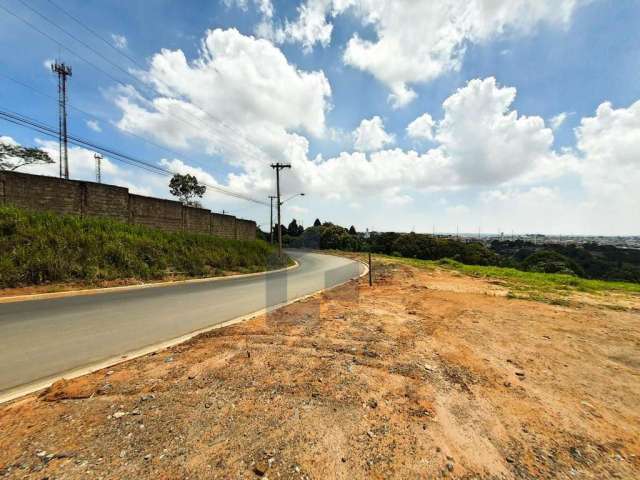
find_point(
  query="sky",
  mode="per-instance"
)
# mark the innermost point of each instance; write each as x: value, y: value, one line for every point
x: 473, y: 115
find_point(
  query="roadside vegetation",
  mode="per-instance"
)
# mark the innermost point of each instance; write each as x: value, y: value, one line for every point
x: 543, y: 282
x: 40, y: 248
x: 572, y: 262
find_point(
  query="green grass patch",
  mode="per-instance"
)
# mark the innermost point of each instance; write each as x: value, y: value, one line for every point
x: 522, y: 280
x: 38, y: 248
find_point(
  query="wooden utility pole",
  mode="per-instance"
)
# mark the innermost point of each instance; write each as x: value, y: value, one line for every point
x: 277, y: 167
x: 271, y: 198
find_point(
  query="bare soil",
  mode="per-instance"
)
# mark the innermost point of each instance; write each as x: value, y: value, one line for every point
x: 427, y: 374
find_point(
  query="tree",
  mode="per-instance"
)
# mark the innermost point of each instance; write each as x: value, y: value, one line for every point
x: 294, y: 229
x: 13, y: 157
x: 186, y: 188
x: 317, y: 223
x: 352, y: 230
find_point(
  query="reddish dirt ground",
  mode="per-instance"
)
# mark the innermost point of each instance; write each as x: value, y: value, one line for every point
x: 427, y: 374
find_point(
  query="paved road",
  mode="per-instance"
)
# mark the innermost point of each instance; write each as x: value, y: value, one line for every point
x: 44, y: 338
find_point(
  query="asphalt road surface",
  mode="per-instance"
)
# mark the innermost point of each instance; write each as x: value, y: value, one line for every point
x: 42, y: 339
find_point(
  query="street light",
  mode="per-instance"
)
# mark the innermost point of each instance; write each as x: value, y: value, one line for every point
x: 292, y: 196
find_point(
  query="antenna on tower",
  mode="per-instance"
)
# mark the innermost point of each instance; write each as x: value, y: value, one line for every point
x: 63, y: 71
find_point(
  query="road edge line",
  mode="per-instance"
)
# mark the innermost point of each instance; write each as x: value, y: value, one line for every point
x: 24, y: 390
x: 124, y: 288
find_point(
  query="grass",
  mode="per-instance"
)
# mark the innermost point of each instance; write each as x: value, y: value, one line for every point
x: 524, y: 281
x: 41, y: 248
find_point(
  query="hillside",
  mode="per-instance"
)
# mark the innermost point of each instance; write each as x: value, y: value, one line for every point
x: 43, y: 248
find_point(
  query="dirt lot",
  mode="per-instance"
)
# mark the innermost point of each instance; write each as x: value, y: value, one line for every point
x: 428, y: 374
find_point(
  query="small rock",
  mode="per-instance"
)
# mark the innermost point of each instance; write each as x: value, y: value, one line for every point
x: 147, y: 457
x: 110, y: 372
x: 168, y: 360
x: 450, y: 466
x: 191, y: 377
x: 370, y: 433
x: 260, y: 468
x: 119, y: 414
x: 412, y: 312
x: 207, y: 405
x: 507, y: 384
x: 510, y: 460
x: 135, y: 412
x: 372, y: 403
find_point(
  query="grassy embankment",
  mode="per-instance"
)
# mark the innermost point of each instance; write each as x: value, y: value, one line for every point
x: 548, y: 287
x: 552, y: 288
x: 43, y: 248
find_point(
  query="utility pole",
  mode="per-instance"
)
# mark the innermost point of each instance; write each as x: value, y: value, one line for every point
x: 98, y: 158
x: 277, y: 167
x: 63, y: 71
x: 271, y: 199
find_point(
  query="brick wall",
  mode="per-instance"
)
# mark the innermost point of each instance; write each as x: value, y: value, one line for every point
x: 41, y: 193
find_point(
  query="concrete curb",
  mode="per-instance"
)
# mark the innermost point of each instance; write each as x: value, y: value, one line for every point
x: 23, y: 390
x: 98, y: 291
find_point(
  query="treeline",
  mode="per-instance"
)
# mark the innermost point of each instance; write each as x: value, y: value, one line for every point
x: 605, y: 262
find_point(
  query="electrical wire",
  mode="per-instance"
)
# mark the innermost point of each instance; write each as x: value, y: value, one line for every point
x: 28, y: 122
x: 61, y: 45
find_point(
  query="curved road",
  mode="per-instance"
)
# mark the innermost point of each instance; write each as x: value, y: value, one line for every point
x: 42, y: 339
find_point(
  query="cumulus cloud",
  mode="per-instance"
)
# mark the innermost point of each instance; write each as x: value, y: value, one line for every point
x: 610, y: 168
x: 243, y: 102
x: 487, y: 142
x: 240, y: 98
x: 421, y: 127
x: 119, y: 41
x: 370, y: 135
x: 419, y: 41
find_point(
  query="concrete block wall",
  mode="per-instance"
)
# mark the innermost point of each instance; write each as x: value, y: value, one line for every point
x: 155, y: 212
x: 42, y: 193
x: 245, y: 229
x: 223, y: 225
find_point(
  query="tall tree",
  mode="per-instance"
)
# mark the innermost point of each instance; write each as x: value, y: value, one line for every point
x: 317, y: 223
x: 13, y: 157
x: 186, y: 188
x: 352, y: 230
x: 294, y: 229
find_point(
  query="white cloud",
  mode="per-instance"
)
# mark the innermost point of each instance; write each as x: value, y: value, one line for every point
x: 556, y: 121
x: 610, y: 167
x: 417, y: 41
x: 8, y: 141
x: 265, y: 7
x: 94, y: 125
x: 370, y: 135
x: 120, y: 41
x: 490, y: 144
x: 421, y: 127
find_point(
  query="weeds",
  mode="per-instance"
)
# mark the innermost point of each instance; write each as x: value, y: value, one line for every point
x: 37, y: 248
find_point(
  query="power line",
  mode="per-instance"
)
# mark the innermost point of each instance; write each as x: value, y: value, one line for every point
x: 25, y: 121
x: 61, y: 45
x: 133, y: 61
x: 93, y: 117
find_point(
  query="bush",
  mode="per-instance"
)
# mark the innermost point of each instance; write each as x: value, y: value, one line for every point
x: 38, y: 248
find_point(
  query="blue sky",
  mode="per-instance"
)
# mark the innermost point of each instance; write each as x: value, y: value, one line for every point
x: 332, y: 85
